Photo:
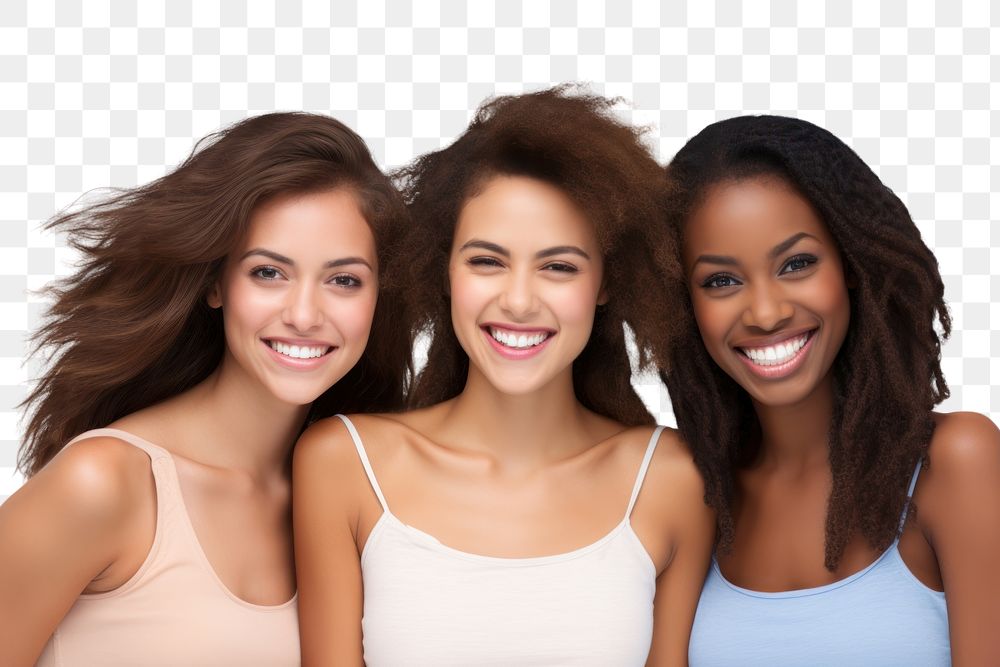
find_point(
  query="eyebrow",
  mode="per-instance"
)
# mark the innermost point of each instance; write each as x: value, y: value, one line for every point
x: 332, y: 264
x: 541, y: 254
x: 782, y: 247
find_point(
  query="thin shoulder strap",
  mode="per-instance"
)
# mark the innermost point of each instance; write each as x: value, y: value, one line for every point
x: 650, y: 448
x: 363, y: 455
x: 154, y: 451
x: 909, y: 493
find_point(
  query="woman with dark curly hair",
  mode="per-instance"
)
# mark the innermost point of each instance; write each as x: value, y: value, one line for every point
x: 213, y: 307
x: 803, y: 370
x: 505, y: 520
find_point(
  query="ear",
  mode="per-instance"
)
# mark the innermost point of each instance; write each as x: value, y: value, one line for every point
x: 602, y: 296
x: 214, y: 296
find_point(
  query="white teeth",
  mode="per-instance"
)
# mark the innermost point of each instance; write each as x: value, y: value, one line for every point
x: 517, y: 341
x: 778, y: 353
x: 297, y: 351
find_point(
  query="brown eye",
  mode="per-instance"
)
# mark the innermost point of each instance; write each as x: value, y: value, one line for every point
x: 346, y: 280
x: 266, y: 273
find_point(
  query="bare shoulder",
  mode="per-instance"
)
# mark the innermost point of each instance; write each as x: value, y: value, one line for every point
x: 964, y: 438
x: 672, y: 462
x: 325, y: 451
x: 96, y: 480
x: 672, y: 481
x: 329, y: 442
x: 965, y: 449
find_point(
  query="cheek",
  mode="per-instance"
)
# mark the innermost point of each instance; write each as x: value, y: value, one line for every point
x: 469, y: 296
x: 353, y: 316
x: 713, y: 321
x: 575, y: 304
x: 834, y: 300
x: 247, y: 306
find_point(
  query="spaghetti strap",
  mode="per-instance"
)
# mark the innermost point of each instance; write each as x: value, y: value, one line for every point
x: 154, y: 451
x: 909, y: 493
x: 364, y: 461
x: 650, y: 448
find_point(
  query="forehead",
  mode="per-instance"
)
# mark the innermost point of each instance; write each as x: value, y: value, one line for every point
x: 746, y: 216
x: 328, y: 222
x: 518, y: 211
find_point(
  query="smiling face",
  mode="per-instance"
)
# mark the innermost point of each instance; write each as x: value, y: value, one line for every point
x: 768, y: 288
x: 298, y: 296
x: 525, y: 278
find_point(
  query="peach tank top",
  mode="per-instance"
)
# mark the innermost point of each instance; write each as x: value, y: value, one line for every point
x: 174, y: 610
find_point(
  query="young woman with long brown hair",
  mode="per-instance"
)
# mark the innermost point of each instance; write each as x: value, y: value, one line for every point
x: 527, y: 511
x: 856, y: 525
x: 217, y: 310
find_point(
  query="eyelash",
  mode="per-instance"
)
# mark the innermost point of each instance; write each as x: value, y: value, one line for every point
x: 257, y: 270
x: 345, y: 280
x: 353, y: 282
x: 561, y: 267
x: 808, y: 259
x: 712, y: 282
x: 490, y: 262
x: 493, y: 262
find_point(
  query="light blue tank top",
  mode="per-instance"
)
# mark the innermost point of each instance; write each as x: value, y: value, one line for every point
x: 882, y: 615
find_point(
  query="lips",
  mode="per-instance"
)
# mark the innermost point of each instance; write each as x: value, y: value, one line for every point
x: 776, y: 353
x: 518, y: 340
x: 298, y: 351
x: 517, y: 343
x: 301, y: 355
x: 779, y: 358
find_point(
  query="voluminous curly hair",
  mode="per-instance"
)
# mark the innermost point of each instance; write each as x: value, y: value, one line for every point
x: 571, y: 140
x: 887, y: 375
x: 132, y: 327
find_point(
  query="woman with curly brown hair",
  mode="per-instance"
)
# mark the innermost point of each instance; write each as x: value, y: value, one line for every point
x: 803, y: 370
x: 213, y: 307
x: 505, y: 519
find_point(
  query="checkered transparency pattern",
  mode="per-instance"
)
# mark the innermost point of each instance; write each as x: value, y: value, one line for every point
x: 115, y: 92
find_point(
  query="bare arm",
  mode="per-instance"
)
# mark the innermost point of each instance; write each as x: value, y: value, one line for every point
x: 65, y: 530
x: 959, y: 510
x: 325, y: 518
x: 677, y: 488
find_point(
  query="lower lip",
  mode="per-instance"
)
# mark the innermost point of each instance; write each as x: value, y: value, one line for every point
x: 298, y: 364
x: 516, y: 352
x: 782, y: 370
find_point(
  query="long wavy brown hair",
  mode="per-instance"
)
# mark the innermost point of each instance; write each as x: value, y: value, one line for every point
x: 887, y: 375
x: 572, y: 140
x: 131, y: 327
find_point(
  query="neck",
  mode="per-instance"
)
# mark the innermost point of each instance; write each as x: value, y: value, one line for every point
x: 519, y: 431
x: 798, y: 435
x: 248, y: 428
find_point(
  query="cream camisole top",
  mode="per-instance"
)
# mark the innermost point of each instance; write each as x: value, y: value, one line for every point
x: 428, y: 604
x: 174, y: 610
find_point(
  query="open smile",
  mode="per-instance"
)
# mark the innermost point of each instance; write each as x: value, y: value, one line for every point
x: 300, y: 355
x: 778, y: 359
x: 517, y: 343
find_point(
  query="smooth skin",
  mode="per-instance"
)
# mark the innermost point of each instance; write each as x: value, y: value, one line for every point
x: 762, y: 268
x: 85, y: 523
x: 518, y: 467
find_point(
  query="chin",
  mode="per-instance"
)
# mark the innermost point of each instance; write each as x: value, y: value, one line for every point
x: 297, y: 396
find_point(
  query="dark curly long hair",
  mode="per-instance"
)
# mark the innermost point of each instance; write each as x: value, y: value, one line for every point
x: 887, y: 375
x: 131, y: 327
x: 572, y: 140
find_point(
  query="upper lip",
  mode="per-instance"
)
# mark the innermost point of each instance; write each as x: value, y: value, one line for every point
x: 768, y: 341
x: 301, y: 342
x: 516, y: 327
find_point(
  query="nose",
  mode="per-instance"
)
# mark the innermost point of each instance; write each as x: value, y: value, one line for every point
x: 768, y: 308
x: 302, y: 309
x: 518, y: 298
